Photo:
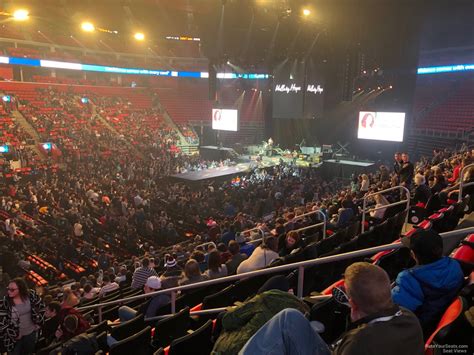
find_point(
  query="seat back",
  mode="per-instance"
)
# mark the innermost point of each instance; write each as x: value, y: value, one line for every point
x: 138, y: 343
x: 333, y: 315
x: 102, y: 341
x: 128, y: 328
x: 453, y: 328
x: 465, y: 252
x: 222, y: 298
x: 171, y: 328
x: 198, y: 343
x: 99, y: 328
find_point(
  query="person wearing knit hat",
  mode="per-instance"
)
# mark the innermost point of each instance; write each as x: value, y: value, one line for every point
x: 172, y: 272
x: 152, y: 284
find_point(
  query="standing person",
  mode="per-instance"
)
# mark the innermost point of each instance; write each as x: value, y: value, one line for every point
x: 21, y: 315
x: 397, y: 165
x: 407, y: 171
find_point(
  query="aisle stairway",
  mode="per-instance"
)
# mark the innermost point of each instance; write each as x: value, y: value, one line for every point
x: 28, y: 128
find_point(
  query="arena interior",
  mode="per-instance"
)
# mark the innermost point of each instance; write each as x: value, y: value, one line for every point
x: 236, y: 177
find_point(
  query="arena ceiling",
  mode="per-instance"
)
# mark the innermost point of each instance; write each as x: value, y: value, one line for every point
x: 250, y: 31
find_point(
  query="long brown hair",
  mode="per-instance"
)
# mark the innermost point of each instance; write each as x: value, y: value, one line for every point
x: 22, y: 287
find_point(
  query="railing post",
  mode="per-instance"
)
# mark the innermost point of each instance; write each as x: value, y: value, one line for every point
x: 100, y: 314
x: 173, y: 302
x: 299, y: 292
x: 325, y: 220
x: 364, y: 205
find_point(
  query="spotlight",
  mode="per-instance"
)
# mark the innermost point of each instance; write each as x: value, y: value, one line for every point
x: 88, y: 27
x: 378, y: 87
x: 139, y: 36
x: 21, y: 15
x: 391, y: 87
x: 306, y: 12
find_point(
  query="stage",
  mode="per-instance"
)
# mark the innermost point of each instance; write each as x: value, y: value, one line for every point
x: 245, y: 163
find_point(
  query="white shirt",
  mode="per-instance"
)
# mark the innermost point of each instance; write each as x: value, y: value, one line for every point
x: 258, y: 260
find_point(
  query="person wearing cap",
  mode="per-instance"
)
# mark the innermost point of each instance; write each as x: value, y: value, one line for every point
x: 153, y: 283
x: 430, y: 286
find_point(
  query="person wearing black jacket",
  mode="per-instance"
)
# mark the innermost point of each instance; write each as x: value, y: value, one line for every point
x: 407, y: 171
x: 422, y: 192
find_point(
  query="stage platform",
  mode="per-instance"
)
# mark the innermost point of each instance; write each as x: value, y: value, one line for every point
x: 213, y: 173
x: 331, y: 168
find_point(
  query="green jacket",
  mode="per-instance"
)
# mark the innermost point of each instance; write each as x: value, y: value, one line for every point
x: 240, y: 324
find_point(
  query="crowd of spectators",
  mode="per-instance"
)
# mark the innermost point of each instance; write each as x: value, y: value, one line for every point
x: 122, y: 219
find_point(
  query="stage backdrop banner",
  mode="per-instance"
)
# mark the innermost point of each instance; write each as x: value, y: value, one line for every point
x: 288, y: 89
x: 313, y: 91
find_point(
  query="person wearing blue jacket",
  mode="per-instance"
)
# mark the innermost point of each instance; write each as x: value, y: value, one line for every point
x: 428, y: 288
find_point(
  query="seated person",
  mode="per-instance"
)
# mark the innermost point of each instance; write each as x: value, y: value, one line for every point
x: 153, y: 283
x: 377, y: 325
x: 262, y: 256
x: 192, y: 273
x: 240, y: 323
x: 292, y: 242
x: 377, y: 215
x: 422, y: 192
x: 428, y: 288
x: 72, y: 325
x: 345, y: 214
x: 236, y: 259
x: 56, y: 315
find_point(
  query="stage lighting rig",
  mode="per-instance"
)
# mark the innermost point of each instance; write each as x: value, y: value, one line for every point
x: 139, y: 36
x: 21, y: 15
x: 17, y: 15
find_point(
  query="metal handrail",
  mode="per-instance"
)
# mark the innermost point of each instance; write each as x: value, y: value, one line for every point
x: 300, y: 265
x: 301, y: 216
x: 324, y: 224
x: 462, y: 184
x: 364, y: 203
x: 222, y: 309
x: 253, y: 229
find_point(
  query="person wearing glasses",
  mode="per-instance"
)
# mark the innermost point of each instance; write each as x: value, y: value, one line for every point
x: 21, y: 316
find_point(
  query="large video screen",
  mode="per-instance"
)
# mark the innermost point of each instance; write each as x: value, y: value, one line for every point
x: 381, y: 126
x: 225, y: 119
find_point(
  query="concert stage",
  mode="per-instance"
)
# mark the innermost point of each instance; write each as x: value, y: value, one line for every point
x: 245, y: 164
x: 330, y: 168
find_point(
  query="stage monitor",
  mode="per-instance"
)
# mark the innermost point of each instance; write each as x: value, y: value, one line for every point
x: 225, y: 119
x: 382, y: 126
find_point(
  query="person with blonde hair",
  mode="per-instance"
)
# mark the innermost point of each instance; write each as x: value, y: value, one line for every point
x: 380, y: 201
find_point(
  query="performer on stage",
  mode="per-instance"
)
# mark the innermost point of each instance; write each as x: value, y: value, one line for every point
x: 269, y: 147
